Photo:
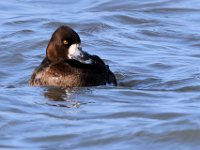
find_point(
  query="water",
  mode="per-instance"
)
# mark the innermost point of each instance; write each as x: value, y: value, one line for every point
x: 153, y: 48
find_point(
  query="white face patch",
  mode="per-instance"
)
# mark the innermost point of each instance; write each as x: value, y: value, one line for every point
x: 74, y: 50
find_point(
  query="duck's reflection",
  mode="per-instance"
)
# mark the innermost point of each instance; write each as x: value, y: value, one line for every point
x: 56, y: 94
x: 64, y: 97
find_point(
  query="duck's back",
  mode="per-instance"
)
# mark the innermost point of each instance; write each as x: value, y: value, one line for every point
x: 72, y: 73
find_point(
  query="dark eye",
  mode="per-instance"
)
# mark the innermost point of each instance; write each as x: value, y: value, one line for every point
x: 65, y: 42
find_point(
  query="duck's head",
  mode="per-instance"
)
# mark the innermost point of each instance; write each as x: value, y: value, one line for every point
x: 65, y: 44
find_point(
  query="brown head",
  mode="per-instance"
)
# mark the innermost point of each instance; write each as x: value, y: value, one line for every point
x: 65, y: 44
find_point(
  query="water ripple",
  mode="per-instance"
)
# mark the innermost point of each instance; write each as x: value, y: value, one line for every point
x: 151, y: 46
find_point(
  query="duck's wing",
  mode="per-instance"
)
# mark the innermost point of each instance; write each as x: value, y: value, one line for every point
x: 110, y: 77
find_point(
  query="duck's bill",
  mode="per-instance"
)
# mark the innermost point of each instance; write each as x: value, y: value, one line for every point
x: 75, y: 52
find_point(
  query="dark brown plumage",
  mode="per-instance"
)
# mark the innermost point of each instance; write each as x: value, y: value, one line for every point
x: 66, y: 65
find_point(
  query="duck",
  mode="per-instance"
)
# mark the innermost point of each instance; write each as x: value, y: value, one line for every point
x: 67, y: 65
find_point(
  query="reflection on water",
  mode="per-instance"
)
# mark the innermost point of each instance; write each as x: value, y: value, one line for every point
x: 58, y: 94
x: 153, y: 48
x: 63, y: 97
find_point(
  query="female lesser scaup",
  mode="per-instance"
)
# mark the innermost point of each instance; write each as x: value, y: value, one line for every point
x: 66, y: 65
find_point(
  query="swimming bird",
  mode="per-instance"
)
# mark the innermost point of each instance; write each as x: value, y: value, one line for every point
x: 67, y: 65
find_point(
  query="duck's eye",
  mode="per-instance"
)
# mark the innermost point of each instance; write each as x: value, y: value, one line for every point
x: 65, y: 42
